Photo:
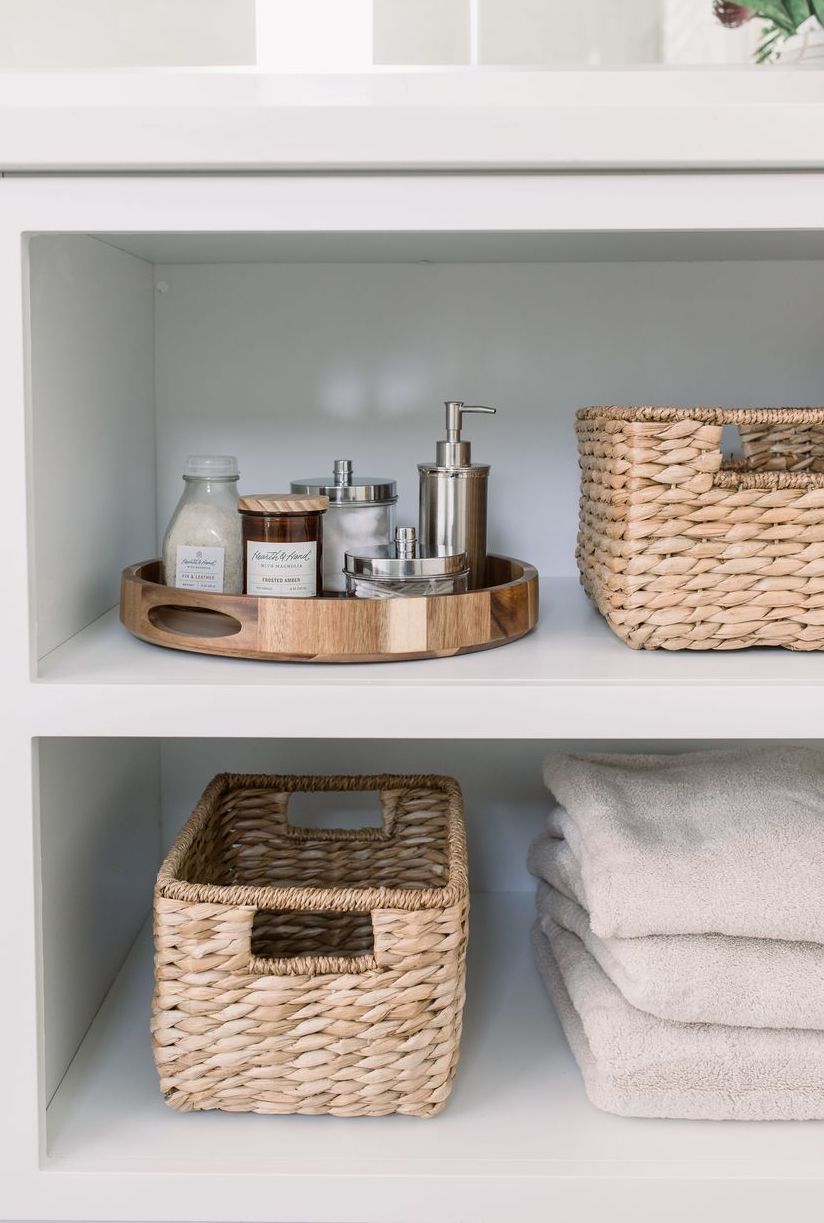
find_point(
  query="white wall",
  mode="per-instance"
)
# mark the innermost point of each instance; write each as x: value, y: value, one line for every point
x: 123, y: 33
x: 421, y: 31
x: 555, y: 32
x: 352, y: 35
x: 289, y: 366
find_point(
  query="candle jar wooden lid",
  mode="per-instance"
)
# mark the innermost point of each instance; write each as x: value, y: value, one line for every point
x: 282, y: 503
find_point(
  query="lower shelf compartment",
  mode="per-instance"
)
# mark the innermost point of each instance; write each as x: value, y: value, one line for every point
x: 518, y: 1127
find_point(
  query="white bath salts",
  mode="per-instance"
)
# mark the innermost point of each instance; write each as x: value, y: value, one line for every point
x: 202, y: 549
x: 349, y: 529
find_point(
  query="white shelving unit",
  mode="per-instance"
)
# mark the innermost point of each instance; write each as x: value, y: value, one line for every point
x: 288, y: 316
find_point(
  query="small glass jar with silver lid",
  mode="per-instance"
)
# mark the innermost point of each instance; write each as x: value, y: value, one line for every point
x: 398, y: 570
x: 361, y: 515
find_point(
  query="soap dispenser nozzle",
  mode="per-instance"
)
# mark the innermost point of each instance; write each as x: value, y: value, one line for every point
x: 453, y: 452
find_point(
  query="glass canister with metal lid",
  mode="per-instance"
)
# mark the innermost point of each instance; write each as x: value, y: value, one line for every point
x: 361, y: 515
x: 398, y: 570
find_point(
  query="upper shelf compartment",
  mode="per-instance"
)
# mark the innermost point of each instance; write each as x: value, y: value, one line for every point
x: 339, y: 333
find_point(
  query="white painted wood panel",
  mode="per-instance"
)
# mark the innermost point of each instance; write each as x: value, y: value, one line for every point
x: 92, y: 397
x: 438, y: 120
x: 99, y: 848
x: 470, y: 203
x: 656, y: 245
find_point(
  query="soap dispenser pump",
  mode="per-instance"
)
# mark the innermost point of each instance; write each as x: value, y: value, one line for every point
x: 453, y: 496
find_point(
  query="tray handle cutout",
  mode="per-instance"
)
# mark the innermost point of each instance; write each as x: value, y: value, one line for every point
x: 193, y: 621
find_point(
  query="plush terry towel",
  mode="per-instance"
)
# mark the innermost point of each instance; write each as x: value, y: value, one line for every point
x: 704, y: 843
x: 703, y: 978
x: 639, y: 1066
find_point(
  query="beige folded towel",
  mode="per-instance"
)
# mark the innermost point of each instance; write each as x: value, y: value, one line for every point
x: 703, y: 978
x: 639, y: 1066
x: 722, y: 842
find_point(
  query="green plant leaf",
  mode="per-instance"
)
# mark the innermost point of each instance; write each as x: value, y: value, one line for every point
x: 818, y: 9
x: 770, y: 39
x: 774, y: 11
x: 799, y: 11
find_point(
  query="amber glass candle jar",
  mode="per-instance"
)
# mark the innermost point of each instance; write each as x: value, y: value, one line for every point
x: 282, y: 544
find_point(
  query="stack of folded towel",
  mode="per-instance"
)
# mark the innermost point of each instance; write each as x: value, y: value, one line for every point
x: 681, y: 929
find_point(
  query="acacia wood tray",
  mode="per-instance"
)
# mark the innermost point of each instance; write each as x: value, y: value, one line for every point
x: 334, y: 629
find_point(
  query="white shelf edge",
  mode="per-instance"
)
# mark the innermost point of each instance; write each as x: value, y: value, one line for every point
x: 571, y: 678
x: 481, y: 119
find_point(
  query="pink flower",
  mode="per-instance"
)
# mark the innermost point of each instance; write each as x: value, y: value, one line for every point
x: 731, y: 15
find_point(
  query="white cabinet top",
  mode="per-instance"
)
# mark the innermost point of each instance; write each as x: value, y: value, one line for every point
x: 467, y: 119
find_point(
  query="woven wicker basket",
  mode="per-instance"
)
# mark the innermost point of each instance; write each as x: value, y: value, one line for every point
x: 682, y: 551
x: 312, y: 971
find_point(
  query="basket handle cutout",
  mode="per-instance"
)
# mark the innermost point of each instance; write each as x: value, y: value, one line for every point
x: 357, y: 811
x: 305, y: 942
x: 731, y: 443
x: 767, y: 446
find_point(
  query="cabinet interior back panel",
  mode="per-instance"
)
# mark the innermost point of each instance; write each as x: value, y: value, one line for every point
x: 289, y: 366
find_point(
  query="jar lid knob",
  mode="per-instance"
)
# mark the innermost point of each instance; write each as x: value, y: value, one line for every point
x: 406, y: 543
x: 343, y: 471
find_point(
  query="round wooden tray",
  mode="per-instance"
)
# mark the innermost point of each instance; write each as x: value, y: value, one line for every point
x: 334, y: 629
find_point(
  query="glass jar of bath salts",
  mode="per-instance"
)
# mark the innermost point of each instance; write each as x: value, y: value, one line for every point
x: 282, y: 544
x: 202, y: 546
x: 361, y: 515
x: 398, y: 571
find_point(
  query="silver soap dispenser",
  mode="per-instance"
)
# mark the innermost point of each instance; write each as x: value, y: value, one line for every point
x: 453, y: 497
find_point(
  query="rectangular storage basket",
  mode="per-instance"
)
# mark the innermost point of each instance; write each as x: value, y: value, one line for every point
x: 300, y: 970
x: 683, y: 551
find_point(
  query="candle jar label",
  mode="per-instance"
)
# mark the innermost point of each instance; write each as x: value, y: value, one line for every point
x: 199, y: 568
x: 288, y: 571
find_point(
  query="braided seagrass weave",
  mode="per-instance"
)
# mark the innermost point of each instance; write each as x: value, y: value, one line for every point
x: 682, y: 551
x: 300, y: 970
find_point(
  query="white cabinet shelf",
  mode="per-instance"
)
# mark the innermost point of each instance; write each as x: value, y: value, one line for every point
x: 518, y: 1137
x: 571, y: 678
